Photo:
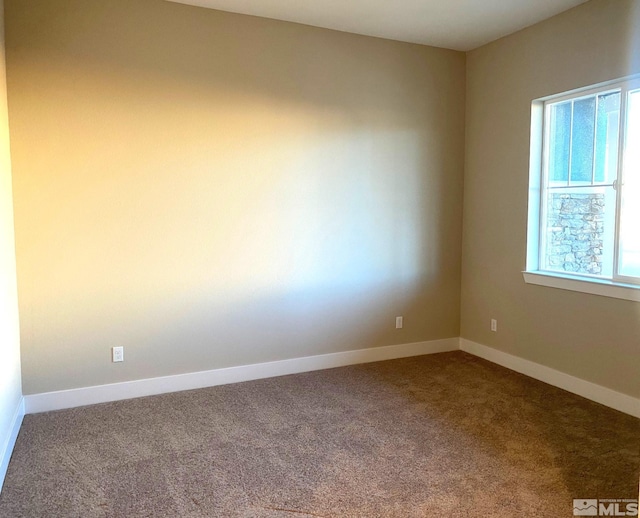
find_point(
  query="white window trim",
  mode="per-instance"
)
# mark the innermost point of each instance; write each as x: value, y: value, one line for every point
x: 532, y: 274
x: 593, y: 286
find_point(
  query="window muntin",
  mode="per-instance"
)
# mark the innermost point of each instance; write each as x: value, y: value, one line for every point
x: 589, y: 220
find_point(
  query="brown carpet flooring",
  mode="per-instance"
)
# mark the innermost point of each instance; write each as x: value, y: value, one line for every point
x: 439, y: 435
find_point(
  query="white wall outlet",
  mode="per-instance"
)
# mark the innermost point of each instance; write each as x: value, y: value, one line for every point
x: 494, y: 325
x: 117, y: 354
x: 398, y: 322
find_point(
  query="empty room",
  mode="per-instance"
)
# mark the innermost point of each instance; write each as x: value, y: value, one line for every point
x: 363, y: 259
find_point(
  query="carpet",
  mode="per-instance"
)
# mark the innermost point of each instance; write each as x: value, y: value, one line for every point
x: 439, y: 435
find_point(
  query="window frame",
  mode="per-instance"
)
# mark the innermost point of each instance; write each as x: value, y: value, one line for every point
x: 617, y: 286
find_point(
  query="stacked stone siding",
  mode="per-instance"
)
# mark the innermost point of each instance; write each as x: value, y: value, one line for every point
x: 575, y: 232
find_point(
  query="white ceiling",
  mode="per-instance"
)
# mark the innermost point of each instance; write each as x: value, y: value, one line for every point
x: 453, y: 24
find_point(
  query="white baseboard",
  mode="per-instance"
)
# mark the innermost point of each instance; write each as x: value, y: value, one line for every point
x: 599, y: 394
x: 147, y: 387
x: 131, y: 389
x: 7, y: 447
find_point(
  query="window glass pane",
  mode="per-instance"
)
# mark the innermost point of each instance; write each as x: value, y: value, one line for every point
x: 559, y: 141
x: 580, y: 225
x: 630, y: 208
x: 607, y: 129
x: 583, y: 127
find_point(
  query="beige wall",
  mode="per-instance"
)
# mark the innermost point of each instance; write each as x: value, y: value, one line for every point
x: 10, y: 388
x: 591, y: 337
x: 209, y: 189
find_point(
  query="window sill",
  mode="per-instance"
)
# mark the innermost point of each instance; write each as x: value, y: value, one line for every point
x: 584, y: 285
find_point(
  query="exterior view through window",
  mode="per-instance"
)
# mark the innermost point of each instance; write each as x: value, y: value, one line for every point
x: 590, y: 191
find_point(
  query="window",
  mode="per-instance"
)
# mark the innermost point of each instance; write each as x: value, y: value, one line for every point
x: 584, y: 202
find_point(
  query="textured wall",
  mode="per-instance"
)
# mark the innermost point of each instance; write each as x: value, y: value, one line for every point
x: 210, y: 189
x: 594, y: 338
x: 576, y: 232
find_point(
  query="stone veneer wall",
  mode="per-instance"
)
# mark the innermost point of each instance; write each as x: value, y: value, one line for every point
x: 575, y: 231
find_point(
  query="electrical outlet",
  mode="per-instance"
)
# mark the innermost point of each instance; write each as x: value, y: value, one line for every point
x: 494, y: 325
x: 398, y: 322
x: 117, y: 354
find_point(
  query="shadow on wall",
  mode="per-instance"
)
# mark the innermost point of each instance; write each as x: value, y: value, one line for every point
x: 212, y: 189
x: 633, y: 37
